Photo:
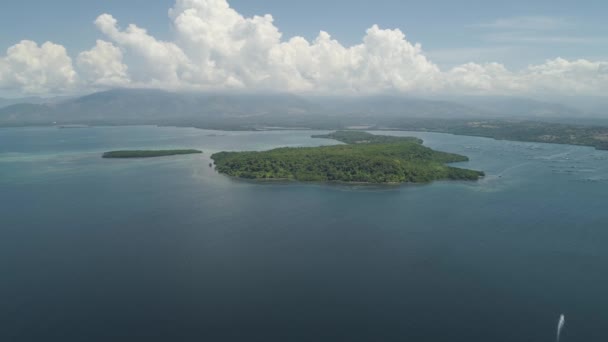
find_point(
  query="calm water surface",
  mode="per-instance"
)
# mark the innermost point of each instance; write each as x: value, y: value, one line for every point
x: 168, y: 250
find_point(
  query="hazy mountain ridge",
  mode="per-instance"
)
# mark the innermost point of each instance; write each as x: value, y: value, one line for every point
x: 522, y: 107
x: 152, y: 107
x: 6, y: 102
x: 247, y: 110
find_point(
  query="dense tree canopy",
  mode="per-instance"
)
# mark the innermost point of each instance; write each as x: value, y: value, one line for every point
x: 366, y: 158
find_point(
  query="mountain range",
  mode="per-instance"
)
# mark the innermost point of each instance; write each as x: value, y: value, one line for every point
x: 249, y: 110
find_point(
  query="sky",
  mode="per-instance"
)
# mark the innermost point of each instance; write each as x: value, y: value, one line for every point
x: 343, y: 47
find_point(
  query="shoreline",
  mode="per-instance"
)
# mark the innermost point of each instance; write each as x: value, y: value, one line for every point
x: 299, y: 129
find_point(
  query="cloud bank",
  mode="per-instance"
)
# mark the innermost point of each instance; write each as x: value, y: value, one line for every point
x: 216, y: 48
x: 30, y: 68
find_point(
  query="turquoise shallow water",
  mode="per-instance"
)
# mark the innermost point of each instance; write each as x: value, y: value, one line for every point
x: 168, y: 250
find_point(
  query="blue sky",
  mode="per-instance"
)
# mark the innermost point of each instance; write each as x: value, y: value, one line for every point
x: 498, y: 47
x: 451, y: 32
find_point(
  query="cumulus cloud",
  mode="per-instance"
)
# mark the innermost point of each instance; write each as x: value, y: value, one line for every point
x: 30, y: 68
x: 563, y: 76
x: 557, y: 76
x: 165, y: 63
x: 102, y: 66
x: 215, y: 47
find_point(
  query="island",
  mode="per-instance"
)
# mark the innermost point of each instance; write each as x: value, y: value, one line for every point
x: 357, y: 137
x: 363, y: 158
x: 147, y: 153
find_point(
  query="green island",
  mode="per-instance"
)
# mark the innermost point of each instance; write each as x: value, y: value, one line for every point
x: 357, y: 137
x: 147, y: 153
x: 364, y: 158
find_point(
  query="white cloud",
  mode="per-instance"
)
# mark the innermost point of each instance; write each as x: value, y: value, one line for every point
x: 526, y: 23
x: 482, y: 78
x: 535, y: 30
x: 215, y: 47
x: 165, y: 62
x: 30, y: 68
x: 103, y: 66
x: 451, y: 57
x: 526, y: 37
x: 557, y: 76
x: 563, y: 76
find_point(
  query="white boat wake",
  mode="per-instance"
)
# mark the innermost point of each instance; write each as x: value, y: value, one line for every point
x: 560, y: 326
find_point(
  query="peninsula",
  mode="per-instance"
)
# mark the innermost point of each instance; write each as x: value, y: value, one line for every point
x: 363, y: 158
x: 147, y: 153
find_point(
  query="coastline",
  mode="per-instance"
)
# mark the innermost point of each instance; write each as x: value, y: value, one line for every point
x: 295, y: 129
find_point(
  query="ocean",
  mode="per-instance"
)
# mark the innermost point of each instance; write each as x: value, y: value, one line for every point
x: 167, y: 249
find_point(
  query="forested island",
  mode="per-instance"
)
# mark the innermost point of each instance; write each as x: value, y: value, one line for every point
x: 364, y: 158
x: 147, y: 153
x: 357, y: 137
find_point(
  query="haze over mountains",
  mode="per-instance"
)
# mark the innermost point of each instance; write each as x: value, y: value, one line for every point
x: 5, y: 102
x: 247, y: 110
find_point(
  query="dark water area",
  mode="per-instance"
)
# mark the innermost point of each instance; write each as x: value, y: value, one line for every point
x: 166, y: 249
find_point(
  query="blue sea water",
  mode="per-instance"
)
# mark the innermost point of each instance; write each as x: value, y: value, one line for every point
x: 166, y: 249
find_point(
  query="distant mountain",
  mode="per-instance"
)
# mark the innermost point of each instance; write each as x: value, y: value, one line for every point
x: 247, y: 111
x: 594, y: 105
x: 391, y: 106
x: 519, y: 107
x: 4, y: 102
x: 9, y: 102
x: 136, y: 106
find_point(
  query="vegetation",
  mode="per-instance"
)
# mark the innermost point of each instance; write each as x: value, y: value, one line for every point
x: 529, y: 131
x: 365, y: 159
x: 538, y: 132
x: 355, y: 137
x: 494, y: 117
x: 147, y: 153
